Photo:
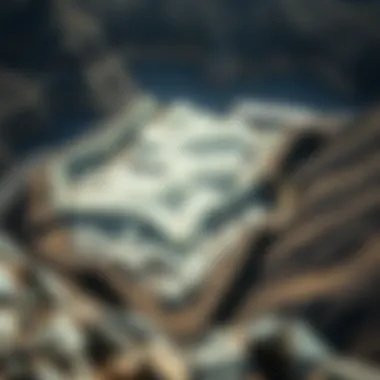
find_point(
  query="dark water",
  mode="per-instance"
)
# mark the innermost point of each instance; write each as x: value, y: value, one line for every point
x: 31, y: 28
x: 169, y: 81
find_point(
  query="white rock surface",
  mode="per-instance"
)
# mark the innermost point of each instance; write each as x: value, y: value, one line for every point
x: 151, y: 203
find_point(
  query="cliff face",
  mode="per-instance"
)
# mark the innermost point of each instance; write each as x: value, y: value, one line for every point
x: 323, y: 265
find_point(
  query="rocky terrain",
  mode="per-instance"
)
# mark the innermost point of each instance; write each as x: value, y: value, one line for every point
x: 170, y: 241
x: 96, y: 311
